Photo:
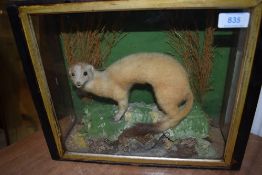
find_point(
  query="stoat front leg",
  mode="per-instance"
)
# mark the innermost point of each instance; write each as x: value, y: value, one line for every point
x: 122, y: 107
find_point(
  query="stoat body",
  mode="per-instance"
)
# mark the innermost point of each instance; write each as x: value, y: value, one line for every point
x: 166, y: 75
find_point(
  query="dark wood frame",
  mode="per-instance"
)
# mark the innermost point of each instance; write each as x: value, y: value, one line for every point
x: 247, y: 115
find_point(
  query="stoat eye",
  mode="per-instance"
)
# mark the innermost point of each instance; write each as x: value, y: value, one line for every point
x: 85, y: 73
x: 72, y: 74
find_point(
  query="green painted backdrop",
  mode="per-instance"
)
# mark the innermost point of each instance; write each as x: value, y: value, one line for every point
x: 147, y: 32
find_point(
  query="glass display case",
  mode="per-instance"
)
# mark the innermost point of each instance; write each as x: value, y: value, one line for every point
x: 144, y: 82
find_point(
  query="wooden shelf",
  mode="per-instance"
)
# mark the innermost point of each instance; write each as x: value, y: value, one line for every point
x: 31, y: 156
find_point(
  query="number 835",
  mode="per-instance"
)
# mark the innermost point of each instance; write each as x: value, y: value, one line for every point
x: 233, y: 19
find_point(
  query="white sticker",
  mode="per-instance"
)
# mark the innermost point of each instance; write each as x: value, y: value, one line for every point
x: 233, y: 20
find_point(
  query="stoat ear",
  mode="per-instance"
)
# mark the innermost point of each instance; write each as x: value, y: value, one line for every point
x: 70, y: 71
x: 90, y: 71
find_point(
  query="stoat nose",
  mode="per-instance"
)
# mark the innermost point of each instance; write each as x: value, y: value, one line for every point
x: 78, y: 84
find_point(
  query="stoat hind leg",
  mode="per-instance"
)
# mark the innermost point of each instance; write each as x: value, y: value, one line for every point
x: 169, y: 104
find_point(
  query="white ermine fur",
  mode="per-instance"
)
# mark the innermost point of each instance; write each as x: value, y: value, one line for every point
x: 166, y: 75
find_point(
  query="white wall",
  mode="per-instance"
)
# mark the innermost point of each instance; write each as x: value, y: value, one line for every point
x: 257, y: 123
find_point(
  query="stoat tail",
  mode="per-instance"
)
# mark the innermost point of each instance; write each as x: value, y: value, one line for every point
x: 142, y: 129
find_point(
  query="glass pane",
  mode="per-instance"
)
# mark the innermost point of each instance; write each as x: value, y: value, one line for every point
x: 121, y: 82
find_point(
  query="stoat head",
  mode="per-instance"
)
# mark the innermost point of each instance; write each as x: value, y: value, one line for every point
x: 81, y: 73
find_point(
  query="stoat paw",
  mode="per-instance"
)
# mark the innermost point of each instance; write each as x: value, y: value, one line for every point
x: 117, y: 117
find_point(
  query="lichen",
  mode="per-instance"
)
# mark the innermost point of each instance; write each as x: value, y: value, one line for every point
x: 98, y: 121
x: 195, y: 125
x: 205, y: 149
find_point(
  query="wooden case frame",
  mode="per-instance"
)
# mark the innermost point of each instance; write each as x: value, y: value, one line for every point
x: 248, y: 84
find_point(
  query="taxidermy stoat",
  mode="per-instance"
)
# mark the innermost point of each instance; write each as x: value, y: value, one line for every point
x: 166, y: 75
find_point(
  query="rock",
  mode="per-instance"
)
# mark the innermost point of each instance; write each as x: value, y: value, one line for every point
x: 185, y: 140
x: 98, y: 121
